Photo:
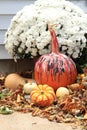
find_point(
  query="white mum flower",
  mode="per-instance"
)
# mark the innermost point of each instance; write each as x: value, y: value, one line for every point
x: 28, y: 32
x: 75, y: 55
x: 33, y: 51
x: 20, y: 49
x: 43, y: 51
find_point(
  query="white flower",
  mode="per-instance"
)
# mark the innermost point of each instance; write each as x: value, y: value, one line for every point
x: 43, y: 51
x: 28, y: 32
x: 20, y: 50
x: 75, y: 55
x: 33, y: 51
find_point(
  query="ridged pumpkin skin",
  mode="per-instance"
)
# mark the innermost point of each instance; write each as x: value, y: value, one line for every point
x: 55, y: 69
x: 42, y: 95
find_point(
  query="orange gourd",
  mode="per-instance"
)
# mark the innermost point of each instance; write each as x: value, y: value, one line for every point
x: 42, y: 95
x: 55, y: 69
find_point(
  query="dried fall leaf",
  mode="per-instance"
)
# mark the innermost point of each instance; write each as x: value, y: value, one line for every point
x: 68, y: 107
x: 75, y: 86
x: 18, y: 98
x: 85, y: 116
x: 51, y: 118
x: 58, y: 118
x: 44, y: 114
x: 36, y: 112
x: 68, y: 120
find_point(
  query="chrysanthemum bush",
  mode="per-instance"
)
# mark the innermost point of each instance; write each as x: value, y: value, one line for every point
x: 28, y: 35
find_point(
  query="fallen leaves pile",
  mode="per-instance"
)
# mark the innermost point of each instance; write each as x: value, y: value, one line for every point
x: 70, y: 109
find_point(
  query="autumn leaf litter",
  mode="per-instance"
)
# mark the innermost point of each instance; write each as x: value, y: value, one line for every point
x: 70, y: 109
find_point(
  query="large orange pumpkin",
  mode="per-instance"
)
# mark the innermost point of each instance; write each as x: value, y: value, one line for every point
x: 42, y: 95
x: 55, y: 69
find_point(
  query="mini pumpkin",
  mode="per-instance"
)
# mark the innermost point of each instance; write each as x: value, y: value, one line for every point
x: 55, y: 69
x: 13, y: 81
x: 29, y: 86
x: 42, y: 95
x: 62, y: 92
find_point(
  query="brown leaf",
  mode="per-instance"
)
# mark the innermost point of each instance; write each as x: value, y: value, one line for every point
x: 85, y: 116
x: 51, y: 118
x: 18, y: 98
x: 58, y: 118
x: 36, y: 112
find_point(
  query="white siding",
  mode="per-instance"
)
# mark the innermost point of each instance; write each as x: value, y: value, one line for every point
x: 8, y: 8
x: 12, y: 6
x: 3, y: 53
x: 81, y: 3
x: 2, y: 32
x: 5, y: 20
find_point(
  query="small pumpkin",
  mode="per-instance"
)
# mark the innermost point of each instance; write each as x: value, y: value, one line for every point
x: 62, y: 92
x: 55, y: 69
x: 29, y: 86
x: 13, y: 81
x: 42, y: 95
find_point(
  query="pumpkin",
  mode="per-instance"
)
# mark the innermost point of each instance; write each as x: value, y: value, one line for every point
x: 55, y: 69
x: 29, y: 86
x: 13, y: 81
x: 62, y: 92
x: 42, y: 95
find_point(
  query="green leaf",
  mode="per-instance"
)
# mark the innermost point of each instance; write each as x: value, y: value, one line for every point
x: 3, y: 94
x: 5, y: 110
x: 79, y: 117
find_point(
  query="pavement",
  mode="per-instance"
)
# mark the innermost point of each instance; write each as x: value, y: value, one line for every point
x: 25, y: 121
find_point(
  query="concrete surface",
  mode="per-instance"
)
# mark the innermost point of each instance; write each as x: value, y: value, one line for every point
x: 21, y: 121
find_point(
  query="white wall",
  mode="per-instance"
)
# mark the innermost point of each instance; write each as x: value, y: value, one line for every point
x: 81, y: 3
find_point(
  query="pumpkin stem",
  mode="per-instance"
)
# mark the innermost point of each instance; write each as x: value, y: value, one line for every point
x: 42, y: 92
x: 54, y: 43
